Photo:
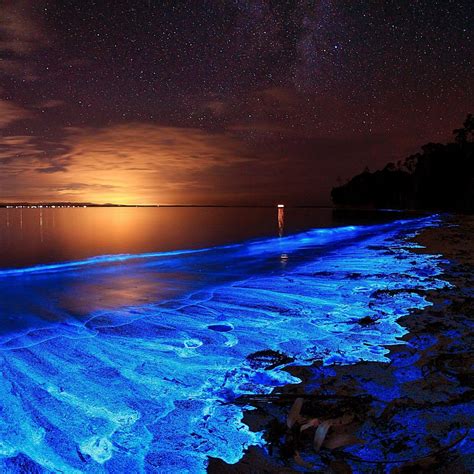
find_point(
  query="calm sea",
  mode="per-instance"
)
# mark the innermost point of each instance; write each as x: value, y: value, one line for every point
x: 37, y: 236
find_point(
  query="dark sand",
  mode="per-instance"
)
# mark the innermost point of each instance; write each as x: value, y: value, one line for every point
x: 414, y: 413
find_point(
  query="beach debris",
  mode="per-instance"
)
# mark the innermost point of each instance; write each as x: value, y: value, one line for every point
x: 313, y: 423
x: 322, y: 428
x: 339, y: 439
x: 294, y: 414
x: 320, y: 434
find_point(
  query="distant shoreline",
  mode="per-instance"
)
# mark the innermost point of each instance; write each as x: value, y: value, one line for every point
x: 62, y: 205
x: 53, y: 205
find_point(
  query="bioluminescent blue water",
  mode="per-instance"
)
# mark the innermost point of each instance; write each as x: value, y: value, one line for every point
x: 126, y: 363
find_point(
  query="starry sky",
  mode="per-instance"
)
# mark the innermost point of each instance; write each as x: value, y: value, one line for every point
x: 223, y: 101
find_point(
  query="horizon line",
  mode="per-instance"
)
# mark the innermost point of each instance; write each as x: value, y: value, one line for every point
x: 21, y: 204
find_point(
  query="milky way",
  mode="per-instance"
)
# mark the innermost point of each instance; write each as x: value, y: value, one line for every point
x: 222, y: 101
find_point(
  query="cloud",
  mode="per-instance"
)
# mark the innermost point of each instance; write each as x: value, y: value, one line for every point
x: 217, y: 107
x: 145, y: 163
x: 83, y: 187
x: 148, y: 163
x: 20, y: 34
x: 10, y: 112
x: 133, y: 163
x: 19, y: 68
x: 50, y: 104
x: 283, y: 96
x: 52, y: 169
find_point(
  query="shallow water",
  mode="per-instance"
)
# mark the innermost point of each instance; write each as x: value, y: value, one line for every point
x: 47, y: 235
x: 129, y: 362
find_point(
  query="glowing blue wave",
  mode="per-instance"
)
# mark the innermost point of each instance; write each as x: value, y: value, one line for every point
x: 321, y: 236
x: 121, y: 363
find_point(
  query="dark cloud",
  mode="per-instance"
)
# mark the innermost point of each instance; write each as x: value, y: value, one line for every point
x: 11, y: 112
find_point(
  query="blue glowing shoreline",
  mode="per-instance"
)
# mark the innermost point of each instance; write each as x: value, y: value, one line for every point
x: 141, y: 382
x: 118, y: 258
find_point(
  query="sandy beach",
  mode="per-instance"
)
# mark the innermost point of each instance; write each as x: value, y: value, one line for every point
x: 413, y: 413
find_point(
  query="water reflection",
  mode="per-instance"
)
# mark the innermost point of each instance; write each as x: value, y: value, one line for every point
x: 281, y: 219
x: 50, y: 235
x: 41, y: 225
x: 47, y: 235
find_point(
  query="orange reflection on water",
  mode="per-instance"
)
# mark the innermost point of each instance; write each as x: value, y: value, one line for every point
x: 32, y: 236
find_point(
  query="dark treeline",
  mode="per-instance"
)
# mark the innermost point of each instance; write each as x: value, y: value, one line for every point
x: 440, y: 177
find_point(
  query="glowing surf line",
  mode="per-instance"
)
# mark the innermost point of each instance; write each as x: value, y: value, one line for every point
x: 116, y: 258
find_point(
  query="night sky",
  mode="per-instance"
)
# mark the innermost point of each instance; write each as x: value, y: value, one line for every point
x: 222, y: 101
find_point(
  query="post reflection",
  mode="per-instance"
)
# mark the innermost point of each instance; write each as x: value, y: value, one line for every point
x: 281, y: 219
x: 41, y: 225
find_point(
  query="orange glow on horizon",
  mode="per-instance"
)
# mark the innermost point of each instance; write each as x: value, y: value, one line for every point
x: 126, y: 164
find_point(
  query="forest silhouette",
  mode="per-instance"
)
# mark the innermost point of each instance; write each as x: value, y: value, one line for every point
x: 441, y: 177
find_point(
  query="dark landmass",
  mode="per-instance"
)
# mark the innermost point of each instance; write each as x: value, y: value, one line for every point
x: 441, y: 177
x: 421, y: 400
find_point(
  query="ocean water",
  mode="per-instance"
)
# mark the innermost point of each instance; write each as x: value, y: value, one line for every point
x: 129, y: 361
x: 47, y: 235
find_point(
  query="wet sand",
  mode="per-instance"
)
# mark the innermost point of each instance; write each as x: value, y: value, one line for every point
x: 412, y: 414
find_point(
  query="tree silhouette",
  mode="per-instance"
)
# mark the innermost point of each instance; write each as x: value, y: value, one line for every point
x: 440, y: 177
x: 466, y: 133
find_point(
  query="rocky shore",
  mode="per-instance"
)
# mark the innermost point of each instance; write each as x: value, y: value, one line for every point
x: 413, y: 413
